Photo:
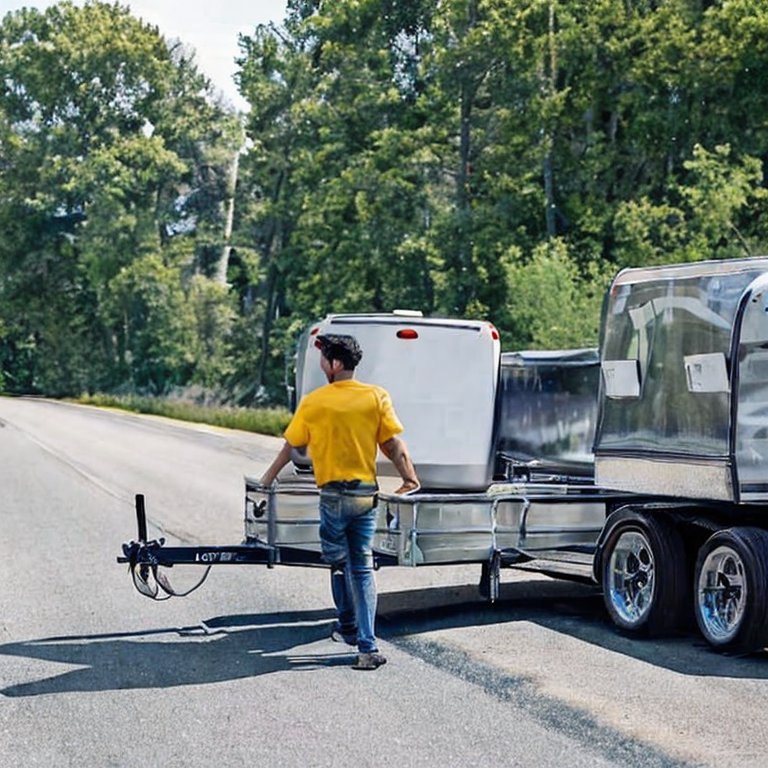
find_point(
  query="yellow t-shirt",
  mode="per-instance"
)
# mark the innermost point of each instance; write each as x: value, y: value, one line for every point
x: 342, y: 424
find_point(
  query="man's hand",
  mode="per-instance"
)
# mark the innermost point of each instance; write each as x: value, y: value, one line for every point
x: 408, y: 486
x: 395, y: 450
x: 282, y: 458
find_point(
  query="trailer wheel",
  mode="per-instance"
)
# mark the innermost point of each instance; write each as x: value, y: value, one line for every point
x: 643, y: 571
x: 731, y: 584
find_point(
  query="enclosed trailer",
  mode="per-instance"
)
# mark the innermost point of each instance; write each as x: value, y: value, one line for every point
x: 684, y: 359
x: 442, y: 375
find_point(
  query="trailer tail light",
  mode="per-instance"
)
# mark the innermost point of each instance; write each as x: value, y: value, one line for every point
x: 494, y: 333
x: 407, y: 333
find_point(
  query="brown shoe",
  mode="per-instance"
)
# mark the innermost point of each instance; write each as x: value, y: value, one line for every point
x: 372, y: 660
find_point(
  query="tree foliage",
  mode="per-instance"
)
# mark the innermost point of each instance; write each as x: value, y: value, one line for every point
x: 463, y: 157
x: 109, y: 193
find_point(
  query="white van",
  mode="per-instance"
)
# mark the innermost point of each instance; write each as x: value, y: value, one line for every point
x: 442, y: 375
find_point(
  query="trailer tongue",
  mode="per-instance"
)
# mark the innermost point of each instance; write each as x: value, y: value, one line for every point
x: 147, y: 557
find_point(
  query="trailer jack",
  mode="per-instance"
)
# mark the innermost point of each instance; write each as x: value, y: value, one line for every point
x: 490, y: 578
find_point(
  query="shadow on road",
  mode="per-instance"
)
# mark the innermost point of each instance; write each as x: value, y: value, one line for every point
x: 219, y: 649
x: 241, y: 646
x: 570, y: 608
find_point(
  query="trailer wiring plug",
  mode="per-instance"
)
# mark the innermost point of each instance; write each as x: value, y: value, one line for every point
x: 143, y: 562
x: 146, y: 574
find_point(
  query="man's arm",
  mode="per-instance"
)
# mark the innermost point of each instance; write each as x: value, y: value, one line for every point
x: 397, y: 452
x: 282, y: 458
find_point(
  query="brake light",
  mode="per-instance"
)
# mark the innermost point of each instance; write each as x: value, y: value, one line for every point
x: 314, y: 331
x: 494, y: 333
x: 407, y: 333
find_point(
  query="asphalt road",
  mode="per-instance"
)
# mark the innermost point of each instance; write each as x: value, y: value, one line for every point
x: 242, y: 671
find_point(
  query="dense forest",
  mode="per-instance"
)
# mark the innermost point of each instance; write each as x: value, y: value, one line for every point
x: 499, y: 159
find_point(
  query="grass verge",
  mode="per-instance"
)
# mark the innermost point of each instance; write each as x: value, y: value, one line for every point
x: 265, y: 421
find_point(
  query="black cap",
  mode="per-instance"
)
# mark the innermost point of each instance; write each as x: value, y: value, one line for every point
x: 340, y: 347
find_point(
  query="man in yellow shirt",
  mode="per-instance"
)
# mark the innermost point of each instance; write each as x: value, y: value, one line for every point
x: 342, y: 425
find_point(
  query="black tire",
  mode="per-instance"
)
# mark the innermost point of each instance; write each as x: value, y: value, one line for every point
x: 731, y: 590
x: 644, y: 573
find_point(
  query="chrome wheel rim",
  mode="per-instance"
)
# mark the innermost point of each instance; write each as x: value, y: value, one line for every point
x: 631, y: 577
x: 722, y: 594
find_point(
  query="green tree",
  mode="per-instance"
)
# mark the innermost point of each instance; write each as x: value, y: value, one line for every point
x: 462, y: 157
x: 332, y: 183
x: 553, y: 305
x: 154, y: 323
x: 275, y: 77
x: 710, y: 219
x: 108, y: 146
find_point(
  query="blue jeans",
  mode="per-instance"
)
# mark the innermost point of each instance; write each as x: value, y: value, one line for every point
x: 347, y: 525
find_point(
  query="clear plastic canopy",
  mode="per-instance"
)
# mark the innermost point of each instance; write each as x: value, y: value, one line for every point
x: 671, y: 338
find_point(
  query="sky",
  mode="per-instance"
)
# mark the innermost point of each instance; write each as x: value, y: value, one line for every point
x: 211, y: 28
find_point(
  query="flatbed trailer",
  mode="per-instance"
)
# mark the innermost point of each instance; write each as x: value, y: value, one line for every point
x: 552, y: 526
x: 546, y: 526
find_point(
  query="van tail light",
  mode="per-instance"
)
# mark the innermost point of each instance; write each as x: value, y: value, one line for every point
x: 494, y: 333
x: 407, y: 333
x: 314, y: 331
